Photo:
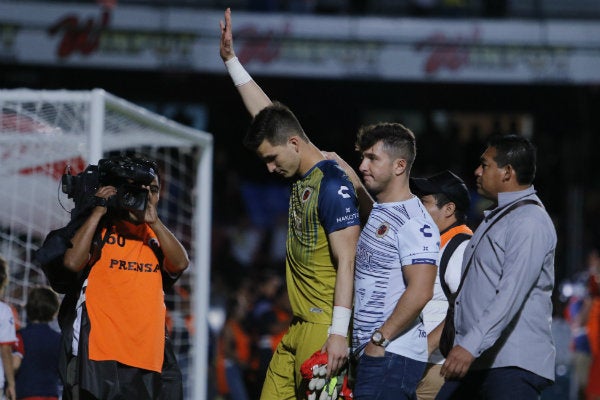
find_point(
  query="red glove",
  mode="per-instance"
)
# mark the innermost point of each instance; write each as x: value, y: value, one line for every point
x: 314, y: 370
x: 317, y: 359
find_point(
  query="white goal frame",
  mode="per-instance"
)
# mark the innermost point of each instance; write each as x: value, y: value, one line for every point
x: 100, y: 102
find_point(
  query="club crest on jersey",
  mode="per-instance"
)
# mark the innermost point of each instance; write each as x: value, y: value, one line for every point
x: 383, y: 229
x: 306, y: 194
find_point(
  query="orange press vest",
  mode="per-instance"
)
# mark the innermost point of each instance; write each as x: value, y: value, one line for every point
x: 125, y: 303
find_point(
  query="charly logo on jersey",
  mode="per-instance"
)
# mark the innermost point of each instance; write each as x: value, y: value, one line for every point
x: 306, y: 194
x: 383, y: 229
x: 425, y: 230
x: 343, y: 192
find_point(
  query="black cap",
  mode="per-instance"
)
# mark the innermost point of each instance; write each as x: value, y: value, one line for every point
x: 447, y: 183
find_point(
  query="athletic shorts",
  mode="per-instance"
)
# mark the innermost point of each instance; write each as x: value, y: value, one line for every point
x: 283, y: 380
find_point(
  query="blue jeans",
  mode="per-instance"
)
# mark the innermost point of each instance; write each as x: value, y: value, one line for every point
x: 391, y: 377
x: 235, y: 382
x: 509, y: 383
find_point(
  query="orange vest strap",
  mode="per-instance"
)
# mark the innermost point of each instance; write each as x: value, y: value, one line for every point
x: 450, y: 233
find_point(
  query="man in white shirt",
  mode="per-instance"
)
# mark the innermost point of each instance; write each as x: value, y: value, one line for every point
x: 447, y: 199
x: 395, y: 269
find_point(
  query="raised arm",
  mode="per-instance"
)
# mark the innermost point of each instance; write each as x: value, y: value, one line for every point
x: 252, y: 95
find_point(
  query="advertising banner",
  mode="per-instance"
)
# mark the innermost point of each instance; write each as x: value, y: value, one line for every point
x: 333, y: 47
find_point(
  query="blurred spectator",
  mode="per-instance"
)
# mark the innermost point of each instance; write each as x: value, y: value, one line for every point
x: 264, y: 321
x: 38, y: 348
x: 593, y: 326
x: 283, y: 311
x: 246, y: 240
x: 180, y: 328
x: 228, y: 204
x: 561, y: 333
x: 277, y: 237
x: 233, y: 356
x: 577, y: 315
x: 7, y: 338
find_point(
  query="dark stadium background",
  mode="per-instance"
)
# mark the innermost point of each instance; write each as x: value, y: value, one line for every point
x: 565, y: 118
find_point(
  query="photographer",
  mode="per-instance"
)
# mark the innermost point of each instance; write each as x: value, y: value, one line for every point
x: 113, y: 314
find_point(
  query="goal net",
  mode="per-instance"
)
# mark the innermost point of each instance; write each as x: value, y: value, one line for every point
x: 42, y: 133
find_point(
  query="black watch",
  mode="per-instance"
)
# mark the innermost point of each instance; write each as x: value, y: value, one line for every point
x: 378, y: 339
x: 100, y: 201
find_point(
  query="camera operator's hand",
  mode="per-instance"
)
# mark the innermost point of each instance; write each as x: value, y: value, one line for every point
x: 77, y: 256
x: 104, y: 192
x: 176, y: 258
x: 151, y: 215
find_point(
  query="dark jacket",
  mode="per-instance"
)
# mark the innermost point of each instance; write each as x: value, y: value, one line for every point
x: 168, y: 385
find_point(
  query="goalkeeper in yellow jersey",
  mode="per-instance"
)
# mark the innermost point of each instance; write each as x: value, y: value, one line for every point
x: 323, y: 230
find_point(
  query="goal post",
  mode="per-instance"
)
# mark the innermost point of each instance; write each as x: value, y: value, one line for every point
x: 42, y: 132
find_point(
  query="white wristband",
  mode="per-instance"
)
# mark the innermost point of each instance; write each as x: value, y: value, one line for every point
x: 236, y: 70
x: 340, y: 321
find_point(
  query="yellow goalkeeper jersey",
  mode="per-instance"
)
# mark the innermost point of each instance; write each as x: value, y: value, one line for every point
x: 321, y: 202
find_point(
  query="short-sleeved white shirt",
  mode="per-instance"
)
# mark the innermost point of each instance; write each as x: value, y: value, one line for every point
x: 435, y: 310
x: 7, y: 332
x: 396, y: 235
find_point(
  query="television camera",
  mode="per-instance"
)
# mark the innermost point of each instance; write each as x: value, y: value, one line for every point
x: 125, y: 174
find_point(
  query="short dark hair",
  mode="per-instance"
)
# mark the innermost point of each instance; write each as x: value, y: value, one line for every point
x: 274, y: 123
x: 42, y: 304
x: 398, y: 140
x: 518, y: 152
x: 148, y: 163
x: 441, y: 199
